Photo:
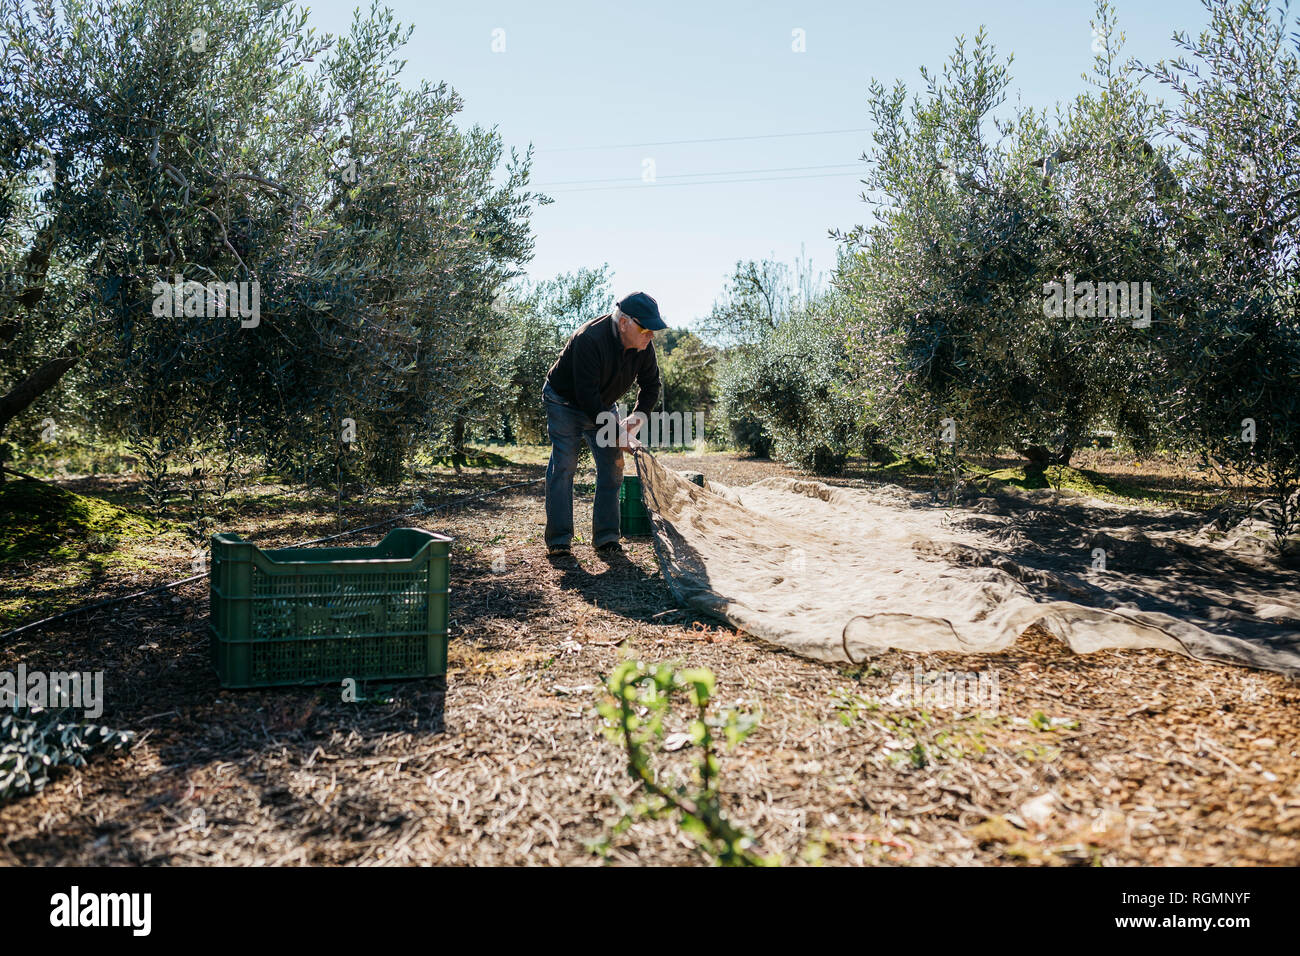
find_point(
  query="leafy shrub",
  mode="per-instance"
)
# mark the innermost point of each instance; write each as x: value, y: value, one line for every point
x: 686, y: 367
x: 34, y: 742
x: 744, y: 429
x: 797, y: 392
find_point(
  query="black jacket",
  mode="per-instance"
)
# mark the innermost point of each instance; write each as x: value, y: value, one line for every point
x: 594, y: 370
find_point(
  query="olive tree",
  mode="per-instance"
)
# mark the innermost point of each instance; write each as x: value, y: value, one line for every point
x: 1233, y: 387
x: 195, y: 142
x: 975, y: 215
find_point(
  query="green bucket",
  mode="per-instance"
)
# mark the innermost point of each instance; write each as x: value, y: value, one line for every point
x: 633, y: 519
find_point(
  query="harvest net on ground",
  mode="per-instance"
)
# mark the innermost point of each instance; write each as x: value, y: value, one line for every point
x: 840, y: 574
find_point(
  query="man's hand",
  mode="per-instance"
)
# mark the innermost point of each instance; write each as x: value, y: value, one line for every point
x: 627, y: 430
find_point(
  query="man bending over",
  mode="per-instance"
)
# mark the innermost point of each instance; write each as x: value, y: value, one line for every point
x: 599, y: 363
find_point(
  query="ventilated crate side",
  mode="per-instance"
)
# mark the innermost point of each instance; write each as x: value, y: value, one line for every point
x: 319, y: 615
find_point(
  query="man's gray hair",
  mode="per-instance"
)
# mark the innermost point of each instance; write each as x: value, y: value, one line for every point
x: 617, y: 313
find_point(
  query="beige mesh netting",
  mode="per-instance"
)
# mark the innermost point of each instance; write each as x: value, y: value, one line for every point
x: 840, y: 574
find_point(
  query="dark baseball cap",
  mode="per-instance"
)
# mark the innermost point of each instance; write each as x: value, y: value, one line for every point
x: 643, y: 310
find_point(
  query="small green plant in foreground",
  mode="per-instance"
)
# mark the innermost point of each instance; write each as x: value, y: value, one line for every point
x: 634, y: 716
x: 35, y: 742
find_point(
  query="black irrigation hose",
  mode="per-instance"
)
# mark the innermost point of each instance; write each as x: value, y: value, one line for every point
x: 195, y: 577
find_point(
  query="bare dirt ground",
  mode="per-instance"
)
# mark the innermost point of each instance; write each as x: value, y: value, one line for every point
x: 1117, y: 758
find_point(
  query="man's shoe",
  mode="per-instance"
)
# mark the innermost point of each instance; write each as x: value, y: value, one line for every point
x: 559, y: 551
x: 609, y: 548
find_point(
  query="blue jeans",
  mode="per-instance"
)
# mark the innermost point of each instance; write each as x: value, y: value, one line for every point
x: 566, y: 425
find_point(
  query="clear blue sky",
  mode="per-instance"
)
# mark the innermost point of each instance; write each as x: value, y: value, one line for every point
x: 592, y: 74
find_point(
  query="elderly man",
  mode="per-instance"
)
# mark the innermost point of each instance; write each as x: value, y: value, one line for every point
x: 599, y: 363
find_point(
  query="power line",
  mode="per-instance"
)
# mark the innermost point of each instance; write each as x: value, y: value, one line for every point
x: 720, y: 172
x: 707, y: 182
x: 716, y: 139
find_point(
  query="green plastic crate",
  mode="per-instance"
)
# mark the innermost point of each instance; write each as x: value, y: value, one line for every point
x: 320, y: 615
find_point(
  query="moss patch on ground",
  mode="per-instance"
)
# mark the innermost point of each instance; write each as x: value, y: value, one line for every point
x: 918, y: 472
x: 1081, y: 481
x: 1063, y: 478
x: 43, y: 522
x: 908, y: 465
x: 57, y: 546
x: 471, y: 459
